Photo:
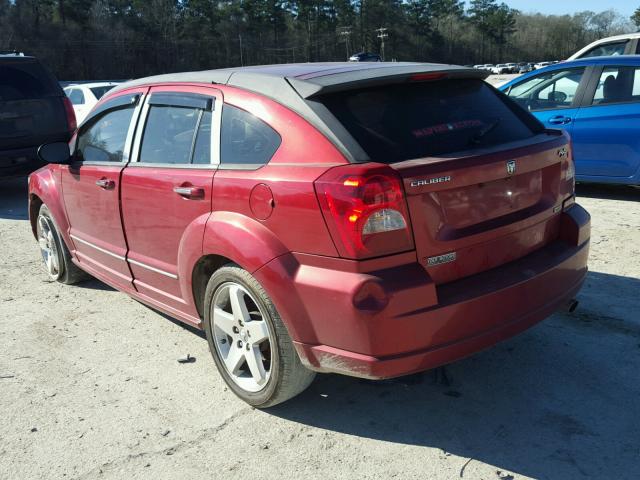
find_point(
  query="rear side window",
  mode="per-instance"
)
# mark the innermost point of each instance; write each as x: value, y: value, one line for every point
x: 400, y: 122
x: 618, y: 85
x: 246, y: 140
x: 99, y: 92
x: 25, y: 80
x: 103, y: 139
x: 615, y: 48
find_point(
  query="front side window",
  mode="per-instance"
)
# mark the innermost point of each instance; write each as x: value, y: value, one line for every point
x: 616, y: 85
x: 246, y: 140
x: 175, y: 135
x: 616, y: 48
x: 393, y: 123
x: 555, y: 89
x: 104, y: 137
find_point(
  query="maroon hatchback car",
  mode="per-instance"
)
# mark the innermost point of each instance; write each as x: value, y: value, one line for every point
x: 372, y: 220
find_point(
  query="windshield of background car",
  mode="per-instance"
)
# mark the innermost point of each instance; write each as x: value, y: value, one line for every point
x: 398, y: 122
x: 100, y: 91
x: 25, y: 80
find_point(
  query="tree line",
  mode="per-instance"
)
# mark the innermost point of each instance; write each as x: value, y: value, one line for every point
x: 100, y: 39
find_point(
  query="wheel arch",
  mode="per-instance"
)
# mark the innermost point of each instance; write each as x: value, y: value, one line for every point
x: 44, y: 188
x: 231, y: 237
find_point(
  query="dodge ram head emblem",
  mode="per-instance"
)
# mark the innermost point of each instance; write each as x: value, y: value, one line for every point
x: 563, y: 153
x: 511, y: 167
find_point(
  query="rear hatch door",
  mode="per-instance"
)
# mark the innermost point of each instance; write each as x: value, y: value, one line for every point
x: 31, y: 104
x: 484, y: 180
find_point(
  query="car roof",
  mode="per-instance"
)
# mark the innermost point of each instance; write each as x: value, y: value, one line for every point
x: 617, y: 59
x: 620, y: 60
x: 296, y: 86
x: 624, y: 36
x: 307, y: 79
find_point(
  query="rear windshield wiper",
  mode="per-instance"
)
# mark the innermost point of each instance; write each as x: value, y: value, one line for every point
x: 475, y: 140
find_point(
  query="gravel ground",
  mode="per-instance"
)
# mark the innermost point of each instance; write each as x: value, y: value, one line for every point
x: 90, y: 387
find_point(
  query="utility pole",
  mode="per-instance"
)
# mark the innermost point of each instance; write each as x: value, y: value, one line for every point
x: 345, y: 32
x: 241, y: 60
x: 382, y: 34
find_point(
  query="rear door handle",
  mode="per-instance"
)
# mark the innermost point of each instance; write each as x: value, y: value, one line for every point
x: 106, y: 183
x: 560, y: 120
x: 189, y: 192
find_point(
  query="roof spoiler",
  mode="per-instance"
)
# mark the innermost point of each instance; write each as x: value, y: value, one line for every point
x: 363, y: 78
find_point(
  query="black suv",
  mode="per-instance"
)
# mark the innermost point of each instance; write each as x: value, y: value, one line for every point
x: 33, y: 110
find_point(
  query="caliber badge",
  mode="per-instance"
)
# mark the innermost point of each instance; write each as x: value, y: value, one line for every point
x: 440, y: 259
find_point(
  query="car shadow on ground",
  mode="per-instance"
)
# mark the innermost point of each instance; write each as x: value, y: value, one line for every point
x: 13, y: 199
x: 558, y: 401
x: 610, y: 192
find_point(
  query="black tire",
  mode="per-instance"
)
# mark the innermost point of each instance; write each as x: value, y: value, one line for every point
x: 288, y: 377
x: 67, y: 271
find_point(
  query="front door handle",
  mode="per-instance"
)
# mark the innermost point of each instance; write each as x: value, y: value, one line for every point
x: 560, y: 120
x: 106, y: 184
x: 189, y: 192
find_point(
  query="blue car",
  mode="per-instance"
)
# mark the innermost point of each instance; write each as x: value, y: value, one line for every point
x: 597, y: 100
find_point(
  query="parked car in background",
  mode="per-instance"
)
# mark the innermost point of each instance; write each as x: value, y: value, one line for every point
x: 365, y: 57
x: 513, y: 67
x: 540, y: 65
x: 369, y: 220
x: 524, y: 67
x: 500, y: 69
x: 487, y: 66
x: 596, y: 100
x: 85, y: 96
x: 33, y: 110
x: 627, y: 44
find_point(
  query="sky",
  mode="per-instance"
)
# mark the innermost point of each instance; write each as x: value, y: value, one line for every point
x: 560, y: 7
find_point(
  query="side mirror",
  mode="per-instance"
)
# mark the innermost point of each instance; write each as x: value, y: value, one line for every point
x: 57, y: 152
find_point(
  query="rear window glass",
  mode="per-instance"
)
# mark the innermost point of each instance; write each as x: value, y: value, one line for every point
x: 25, y: 80
x: 100, y: 91
x: 399, y: 122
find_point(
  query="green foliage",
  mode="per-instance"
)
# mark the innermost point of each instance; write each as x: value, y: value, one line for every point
x: 635, y: 18
x: 99, y: 39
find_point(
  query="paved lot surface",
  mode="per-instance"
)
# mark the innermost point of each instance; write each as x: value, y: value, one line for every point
x: 90, y: 387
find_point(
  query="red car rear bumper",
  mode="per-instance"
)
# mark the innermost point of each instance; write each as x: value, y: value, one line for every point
x: 395, y: 321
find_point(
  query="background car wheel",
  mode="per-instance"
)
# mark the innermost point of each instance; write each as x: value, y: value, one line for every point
x: 249, y: 343
x: 55, y: 254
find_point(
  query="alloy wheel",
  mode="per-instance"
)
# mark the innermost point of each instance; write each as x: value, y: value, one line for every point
x: 48, y: 246
x: 242, y: 337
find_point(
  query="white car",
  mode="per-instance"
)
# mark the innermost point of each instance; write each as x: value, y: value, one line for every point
x: 540, y: 65
x: 500, y: 69
x: 627, y: 44
x: 84, y: 96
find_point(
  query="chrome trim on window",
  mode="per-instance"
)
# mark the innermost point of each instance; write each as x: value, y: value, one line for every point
x: 134, y: 159
x: 153, y: 269
x: 100, y: 249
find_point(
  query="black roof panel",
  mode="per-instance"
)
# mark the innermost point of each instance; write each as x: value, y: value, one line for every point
x: 294, y: 85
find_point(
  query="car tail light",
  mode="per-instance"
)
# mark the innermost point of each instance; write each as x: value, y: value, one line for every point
x: 365, y: 209
x: 71, y: 115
